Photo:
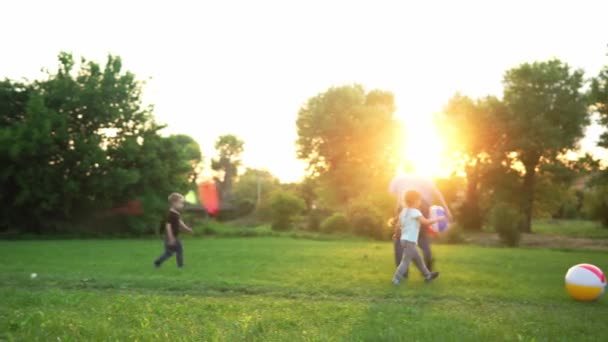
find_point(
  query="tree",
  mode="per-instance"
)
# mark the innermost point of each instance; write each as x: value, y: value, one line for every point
x: 229, y: 148
x: 476, y: 140
x: 285, y: 207
x: 547, y: 114
x: 80, y: 141
x: 190, y: 151
x: 350, y: 139
x: 254, y: 187
x: 599, y: 98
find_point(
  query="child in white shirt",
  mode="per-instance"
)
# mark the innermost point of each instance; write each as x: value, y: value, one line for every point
x: 410, y: 220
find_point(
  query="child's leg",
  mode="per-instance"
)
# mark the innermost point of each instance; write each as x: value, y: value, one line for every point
x: 166, y: 255
x: 405, y: 261
x: 398, y: 252
x: 415, y: 257
x: 424, y: 242
x: 179, y: 249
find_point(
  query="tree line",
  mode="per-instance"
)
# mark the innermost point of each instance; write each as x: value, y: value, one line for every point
x: 512, y: 148
x: 80, y: 142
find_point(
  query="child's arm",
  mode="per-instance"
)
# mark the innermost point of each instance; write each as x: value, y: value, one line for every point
x: 170, y: 237
x: 427, y: 222
x: 183, y: 226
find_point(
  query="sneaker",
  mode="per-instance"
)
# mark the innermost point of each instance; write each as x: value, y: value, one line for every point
x: 396, y: 281
x: 157, y: 265
x: 432, y: 276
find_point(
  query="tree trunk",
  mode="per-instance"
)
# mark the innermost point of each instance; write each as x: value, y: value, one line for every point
x: 528, y: 198
x: 472, y: 216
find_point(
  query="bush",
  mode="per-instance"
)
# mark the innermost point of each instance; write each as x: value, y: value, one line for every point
x: 365, y: 220
x: 505, y: 220
x: 454, y: 235
x: 335, y: 223
x: 285, y: 207
x: 315, y: 218
x: 596, y: 204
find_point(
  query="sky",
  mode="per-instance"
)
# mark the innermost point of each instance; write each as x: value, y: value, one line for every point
x: 246, y: 67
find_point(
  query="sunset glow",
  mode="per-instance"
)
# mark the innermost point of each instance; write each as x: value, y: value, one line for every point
x: 214, y: 68
x: 423, y: 147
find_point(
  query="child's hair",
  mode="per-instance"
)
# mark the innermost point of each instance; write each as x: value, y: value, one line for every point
x: 174, y: 197
x: 411, y: 197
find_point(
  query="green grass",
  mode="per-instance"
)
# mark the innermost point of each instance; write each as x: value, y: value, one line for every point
x: 571, y: 228
x: 282, y: 289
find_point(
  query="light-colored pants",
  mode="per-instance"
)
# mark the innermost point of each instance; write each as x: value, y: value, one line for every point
x: 410, y: 253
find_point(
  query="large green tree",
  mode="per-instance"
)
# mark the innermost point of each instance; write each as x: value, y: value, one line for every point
x: 190, y: 151
x: 229, y: 149
x: 254, y: 187
x: 77, y: 142
x: 350, y: 139
x: 476, y: 135
x: 546, y: 114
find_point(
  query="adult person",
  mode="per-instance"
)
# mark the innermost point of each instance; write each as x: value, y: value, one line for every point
x: 428, y: 191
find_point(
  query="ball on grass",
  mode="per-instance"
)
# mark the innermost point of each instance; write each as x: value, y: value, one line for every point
x: 585, y: 282
x: 33, y: 276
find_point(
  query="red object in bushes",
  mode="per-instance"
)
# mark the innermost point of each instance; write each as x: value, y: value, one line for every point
x: 131, y: 208
x: 208, y: 197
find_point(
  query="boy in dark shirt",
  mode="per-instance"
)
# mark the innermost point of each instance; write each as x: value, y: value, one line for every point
x: 171, y: 226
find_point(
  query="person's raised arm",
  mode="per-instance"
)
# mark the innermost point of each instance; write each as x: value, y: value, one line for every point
x: 183, y: 226
x: 439, y: 195
x: 427, y: 222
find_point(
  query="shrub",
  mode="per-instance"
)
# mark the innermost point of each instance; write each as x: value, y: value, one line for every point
x: 454, y: 235
x: 366, y: 220
x: 596, y: 204
x: 335, y: 223
x: 368, y: 215
x: 285, y: 207
x: 505, y: 220
x: 315, y: 218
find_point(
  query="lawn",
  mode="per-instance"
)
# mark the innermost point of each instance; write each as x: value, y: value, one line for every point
x: 571, y: 228
x: 284, y: 289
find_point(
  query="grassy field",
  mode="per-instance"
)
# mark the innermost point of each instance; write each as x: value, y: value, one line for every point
x: 571, y: 228
x: 278, y: 289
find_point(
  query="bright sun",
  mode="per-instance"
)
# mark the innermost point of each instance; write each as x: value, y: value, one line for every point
x: 423, y: 148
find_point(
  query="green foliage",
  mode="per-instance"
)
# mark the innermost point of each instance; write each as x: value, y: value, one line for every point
x: 191, y: 152
x: 307, y: 190
x: 229, y: 148
x: 366, y: 220
x: 554, y: 192
x: 260, y: 289
x: 314, y: 219
x: 79, y: 142
x: 506, y: 220
x: 476, y: 131
x: 245, y: 193
x: 547, y: 114
x: 596, y: 204
x: 581, y: 229
x: 351, y: 140
x: 336, y: 223
x: 599, y: 98
x: 454, y: 235
x: 285, y: 207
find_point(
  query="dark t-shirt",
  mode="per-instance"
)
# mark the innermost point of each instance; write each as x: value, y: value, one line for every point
x: 172, y: 218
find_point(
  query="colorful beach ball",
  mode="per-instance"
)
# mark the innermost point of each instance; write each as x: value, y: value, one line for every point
x: 585, y: 282
x: 441, y: 226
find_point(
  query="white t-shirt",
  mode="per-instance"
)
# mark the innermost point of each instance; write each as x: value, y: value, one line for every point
x: 410, y: 226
